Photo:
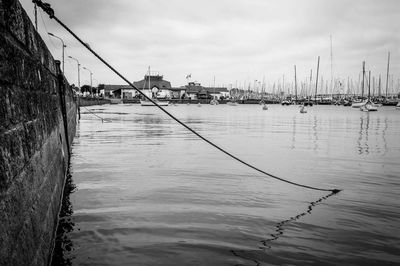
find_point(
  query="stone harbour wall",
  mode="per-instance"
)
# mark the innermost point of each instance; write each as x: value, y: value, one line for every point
x: 38, y: 113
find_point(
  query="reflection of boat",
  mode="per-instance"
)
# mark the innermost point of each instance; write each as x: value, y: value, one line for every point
x: 265, y: 107
x: 232, y: 103
x: 303, y: 109
x: 398, y: 106
x: 214, y: 102
x: 152, y: 94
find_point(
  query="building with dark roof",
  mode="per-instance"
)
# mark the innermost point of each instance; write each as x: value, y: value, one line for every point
x: 194, y: 90
x: 113, y: 91
x: 155, y: 84
x: 150, y: 83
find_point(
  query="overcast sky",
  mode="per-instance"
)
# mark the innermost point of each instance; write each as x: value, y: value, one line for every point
x: 235, y: 41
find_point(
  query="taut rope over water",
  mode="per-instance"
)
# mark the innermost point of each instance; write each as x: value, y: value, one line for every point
x: 47, y: 8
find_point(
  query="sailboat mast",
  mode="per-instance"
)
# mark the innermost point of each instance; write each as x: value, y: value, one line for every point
x: 373, y: 86
x: 369, y: 85
x: 387, y: 76
x: 214, y: 89
x: 310, y: 83
x: 316, y: 83
x: 149, y: 84
x: 263, y: 88
x: 379, y: 86
x: 295, y: 83
x: 362, y: 84
x: 331, y: 69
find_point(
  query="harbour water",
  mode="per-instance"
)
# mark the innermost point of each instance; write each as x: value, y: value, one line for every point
x: 148, y: 192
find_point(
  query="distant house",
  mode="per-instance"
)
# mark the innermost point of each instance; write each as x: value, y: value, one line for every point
x: 154, y: 85
x: 194, y: 90
x: 178, y: 93
x: 218, y: 92
x: 117, y: 91
x: 158, y: 87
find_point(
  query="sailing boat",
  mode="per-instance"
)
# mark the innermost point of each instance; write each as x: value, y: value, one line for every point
x: 369, y: 105
x: 214, y: 101
x: 233, y: 98
x: 359, y: 104
x: 145, y: 101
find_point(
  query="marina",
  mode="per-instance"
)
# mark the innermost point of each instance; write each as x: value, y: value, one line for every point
x: 164, y: 197
x: 201, y: 133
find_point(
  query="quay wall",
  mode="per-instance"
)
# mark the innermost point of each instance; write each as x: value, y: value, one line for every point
x: 93, y: 101
x: 37, y: 125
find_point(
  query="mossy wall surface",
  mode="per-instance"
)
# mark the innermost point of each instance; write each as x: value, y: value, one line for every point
x: 34, y: 125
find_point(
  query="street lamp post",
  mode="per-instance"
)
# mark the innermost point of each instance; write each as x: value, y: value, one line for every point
x: 79, y: 78
x: 63, y: 46
x: 91, y: 80
x: 96, y: 91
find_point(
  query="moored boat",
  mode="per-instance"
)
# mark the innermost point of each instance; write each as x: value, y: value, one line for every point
x: 303, y: 109
x: 358, y: 104
x: 146, y: 102
x: 368, y: 107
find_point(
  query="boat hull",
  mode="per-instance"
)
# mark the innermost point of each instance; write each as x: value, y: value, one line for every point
x: 368, y: 108
x: 358, y: 104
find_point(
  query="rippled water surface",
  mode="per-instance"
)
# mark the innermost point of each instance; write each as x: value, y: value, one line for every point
x: 148, y: 192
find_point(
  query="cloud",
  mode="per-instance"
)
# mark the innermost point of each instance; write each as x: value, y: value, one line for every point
x: 232, y: 40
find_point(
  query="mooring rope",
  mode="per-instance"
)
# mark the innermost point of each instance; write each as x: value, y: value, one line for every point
x: 92, y: 113
x: 47, y: 8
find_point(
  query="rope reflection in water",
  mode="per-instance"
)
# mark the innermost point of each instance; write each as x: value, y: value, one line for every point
x: 256, y: 255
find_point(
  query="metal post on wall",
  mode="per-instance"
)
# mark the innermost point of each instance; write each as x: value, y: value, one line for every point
x: 61, y: 92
